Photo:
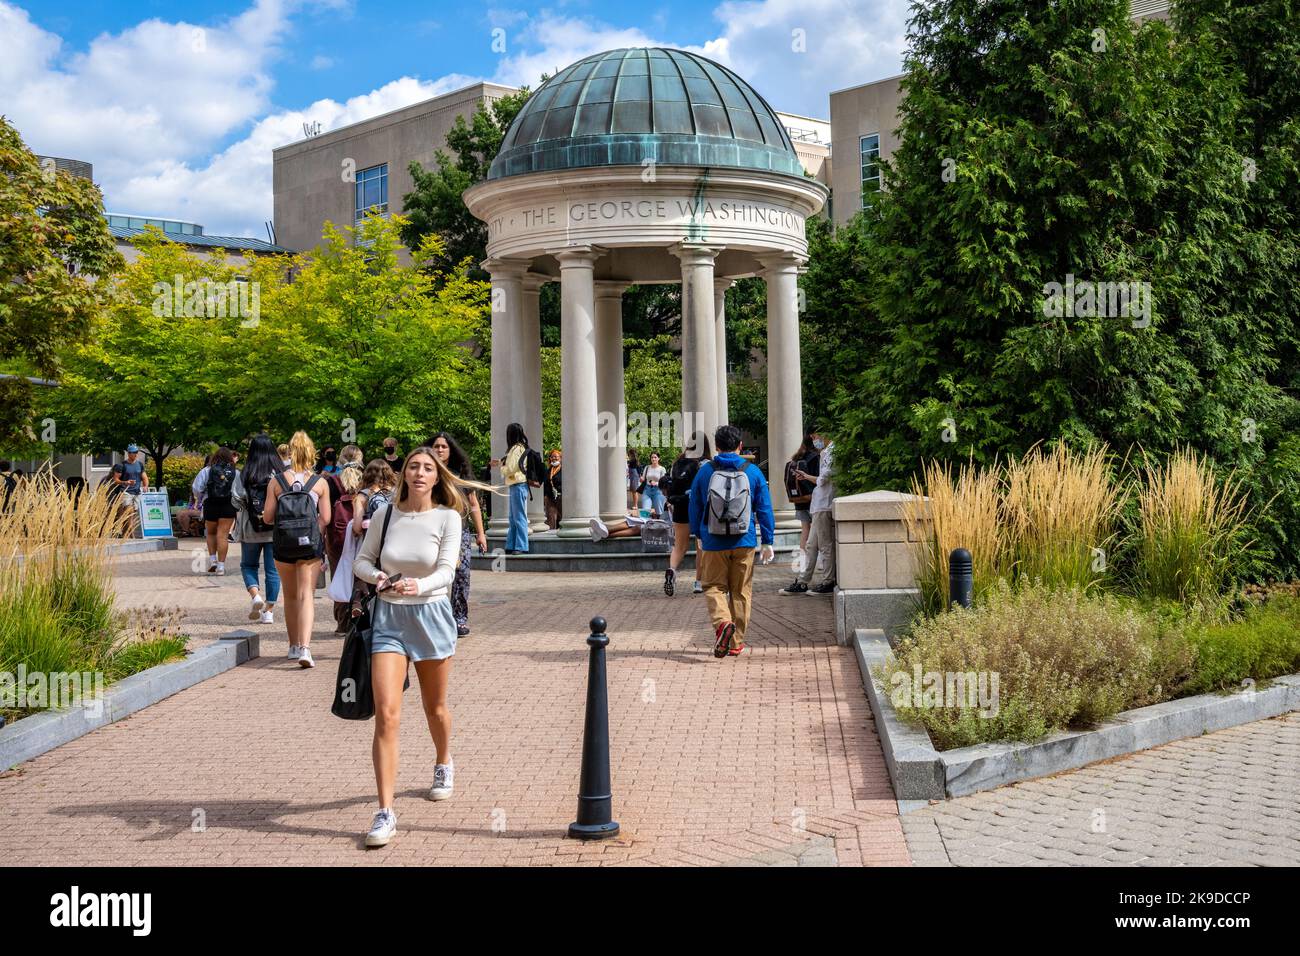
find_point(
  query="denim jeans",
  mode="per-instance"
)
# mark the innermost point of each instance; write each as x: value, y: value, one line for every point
x: 517, y: 533
x: 249, y: 556
x: 653, y: 499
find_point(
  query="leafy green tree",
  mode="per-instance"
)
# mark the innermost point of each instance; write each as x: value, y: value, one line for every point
x: 54, y: 244
x: 150, y: 371
x: 435, y: 206
x: 359, y: 346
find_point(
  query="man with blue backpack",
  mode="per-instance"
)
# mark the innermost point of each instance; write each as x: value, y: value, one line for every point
x: 730, y: 507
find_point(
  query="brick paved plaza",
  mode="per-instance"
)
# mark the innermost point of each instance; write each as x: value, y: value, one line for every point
x: 771, y: 759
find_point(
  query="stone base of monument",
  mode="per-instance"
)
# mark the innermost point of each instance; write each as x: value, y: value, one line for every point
x: 549, y: 552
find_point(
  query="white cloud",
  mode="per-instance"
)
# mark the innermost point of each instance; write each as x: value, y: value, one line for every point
x: 321, y: 62
x: 231, y: 193
x: 847, y: 43
x: 549, y: 43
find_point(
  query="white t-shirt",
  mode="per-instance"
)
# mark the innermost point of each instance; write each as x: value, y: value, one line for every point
x: 424, y: 545
x: 655, y: 473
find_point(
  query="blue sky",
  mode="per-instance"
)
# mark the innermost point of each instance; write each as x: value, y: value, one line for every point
x: 178, y: 106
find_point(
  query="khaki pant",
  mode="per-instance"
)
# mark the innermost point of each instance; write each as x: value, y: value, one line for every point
x: 821, y: 543
x: 727, y: 578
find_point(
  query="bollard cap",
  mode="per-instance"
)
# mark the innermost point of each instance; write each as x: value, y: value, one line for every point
x: 960, y: 560
x: 598, y: 625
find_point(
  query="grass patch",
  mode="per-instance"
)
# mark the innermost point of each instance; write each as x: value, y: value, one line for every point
x: 56, y: 592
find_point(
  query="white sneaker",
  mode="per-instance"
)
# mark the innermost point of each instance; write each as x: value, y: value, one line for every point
x: 267, y: 618
x: 697, y: 588
x: 255, y: 611
x: 294, y: 652
x: 383, y: 829
x: 221, y: 567
x: 304, y: 657
x: 599, y: 530
x: 443, y: 778
x: 212, y: 564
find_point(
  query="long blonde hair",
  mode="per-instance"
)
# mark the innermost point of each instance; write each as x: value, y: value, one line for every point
x: 353, y: 466
x: 448, y: 489
x: 302, y: 452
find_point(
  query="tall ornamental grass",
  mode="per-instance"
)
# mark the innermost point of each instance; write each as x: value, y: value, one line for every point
x: 953, y: 510
x: 1190, y: 529
x: 1060, y: 508
x: 1054, y: 516
x: 56, y: 590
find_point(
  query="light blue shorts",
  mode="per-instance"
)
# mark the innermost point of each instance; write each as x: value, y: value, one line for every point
x: 422, y: 632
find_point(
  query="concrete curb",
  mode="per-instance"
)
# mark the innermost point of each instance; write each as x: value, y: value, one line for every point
x: 143, y: 545
x: 41, y: 733
x: 920, y: 772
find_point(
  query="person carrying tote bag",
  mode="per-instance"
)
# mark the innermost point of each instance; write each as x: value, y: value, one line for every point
x: 354, y: 697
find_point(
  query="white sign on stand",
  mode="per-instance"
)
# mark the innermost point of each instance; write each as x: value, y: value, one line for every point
x: 155, y: 513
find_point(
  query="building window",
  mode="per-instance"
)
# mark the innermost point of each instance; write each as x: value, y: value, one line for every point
x: 870, y: 168
x: 104, y: 460
x: 371, y: 191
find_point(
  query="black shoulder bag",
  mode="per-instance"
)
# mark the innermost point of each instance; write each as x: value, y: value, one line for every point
x: 354, y: 698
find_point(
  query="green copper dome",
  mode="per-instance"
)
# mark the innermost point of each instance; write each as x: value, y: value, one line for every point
x: 626, y: 106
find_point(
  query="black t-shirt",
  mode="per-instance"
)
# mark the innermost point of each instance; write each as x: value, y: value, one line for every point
x: 680, y: 478
x: 395, y: 464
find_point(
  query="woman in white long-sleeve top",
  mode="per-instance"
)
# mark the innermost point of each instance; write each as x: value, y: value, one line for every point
x: 412, y: 619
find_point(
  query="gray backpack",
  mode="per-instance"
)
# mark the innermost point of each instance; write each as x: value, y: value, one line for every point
x: 728, y: 502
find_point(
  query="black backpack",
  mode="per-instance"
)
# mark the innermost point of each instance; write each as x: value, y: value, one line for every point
x: 534, y: 468
x: 256, y: 505
x: 297, y: 523
x: 221, y: 480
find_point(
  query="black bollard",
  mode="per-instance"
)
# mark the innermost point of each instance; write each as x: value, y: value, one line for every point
x: 961, y: 578
x: 595, y: 803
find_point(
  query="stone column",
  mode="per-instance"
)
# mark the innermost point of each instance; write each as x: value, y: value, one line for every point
x: 720, y: 287
x: 530, y: 384
x: 612, y: 453
x: 784, y: 390
x: 699, y: 359
x: 507, y: 407
x: 578, y: 388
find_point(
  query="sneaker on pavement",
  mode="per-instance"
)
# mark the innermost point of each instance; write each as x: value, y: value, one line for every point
x: 212, y: 565
x: 383, y: 829
x: 797, y: 588
x: 259, y: 604
x: 599, y: 530
x: 723, y: 643
x: 221, y: 567
x: 827, y: 588
x: 443, y: 779
x: 267, y: 618
x: 697, y: 588
x: 294, y: 652
x: 304, y: 657
x: 735, y: 651
x: 670, y: 582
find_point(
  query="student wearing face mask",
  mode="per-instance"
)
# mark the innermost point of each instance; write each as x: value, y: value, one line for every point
x: 551, y: 490
x: 391, y: 456
x: 821, y: 539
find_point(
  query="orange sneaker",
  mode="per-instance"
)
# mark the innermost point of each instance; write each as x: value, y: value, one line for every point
x: 735, y: 651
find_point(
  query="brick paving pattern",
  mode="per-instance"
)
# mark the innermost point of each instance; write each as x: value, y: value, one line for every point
x: 1228, y: 798
x: 768, y: 759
